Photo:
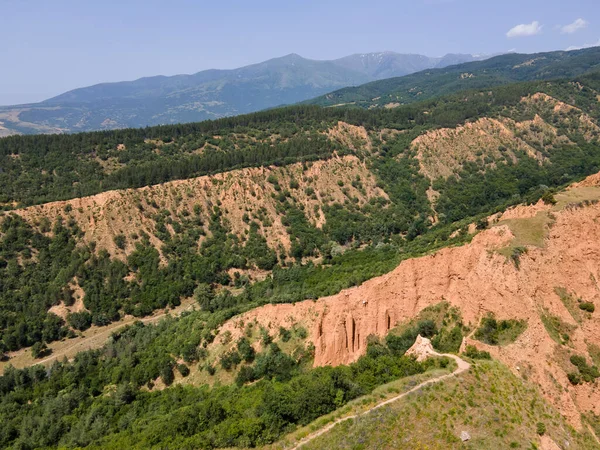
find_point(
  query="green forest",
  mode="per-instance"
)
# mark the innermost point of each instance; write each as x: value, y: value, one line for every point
x: 96, y: 400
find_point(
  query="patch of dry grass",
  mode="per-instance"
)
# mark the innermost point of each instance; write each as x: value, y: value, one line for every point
x: 532, y: 231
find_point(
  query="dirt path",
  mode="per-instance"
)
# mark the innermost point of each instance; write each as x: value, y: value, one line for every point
x: 95, y: 338
x: 463, y: 366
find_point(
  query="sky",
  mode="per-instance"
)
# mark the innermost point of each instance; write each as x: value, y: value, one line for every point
x: 51, y: 46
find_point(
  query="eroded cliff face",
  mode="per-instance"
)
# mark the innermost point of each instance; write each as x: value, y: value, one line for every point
x: 478, y: 279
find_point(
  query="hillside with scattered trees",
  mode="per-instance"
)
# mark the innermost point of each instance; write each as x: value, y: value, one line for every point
x: 274, y: 207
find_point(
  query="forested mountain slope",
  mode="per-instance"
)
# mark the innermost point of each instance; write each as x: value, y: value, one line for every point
x: 499, y: 70
x: 208, y: 94
x: 278, y: 207
x: 376, y: 178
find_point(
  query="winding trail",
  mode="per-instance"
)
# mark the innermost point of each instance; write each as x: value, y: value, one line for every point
x: 463, y: 366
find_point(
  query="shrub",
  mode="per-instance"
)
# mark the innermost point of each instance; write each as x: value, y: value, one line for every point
x: 548, y: 198
x: 399, y: 344
x: 80, y: 320
x: 541, y: 428
x: 204, y: 295
x: 472, y: 352
x: 39, y: 349
x: 246, y: 350
x: 265, y: 337
x: 587, y: 373
x: 275, y: 364
x: 574, y: 378
x: 120, y: 241
x: 190, y: 353
x: 587, y: 306
x: 183, y: 370
x: 499, y: 332
x: 482, y: 224
x: 301, y: 333
x: 245, y: 375
x: 166, y: 374
x: 426, y: 328
x: 516, y: 256
x: 229, y: 360
x: 285, y: 334
x: 448, y: 341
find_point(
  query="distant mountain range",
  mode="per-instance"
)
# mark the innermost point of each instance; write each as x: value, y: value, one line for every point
x: 209, y: 94
x: 495, y: 71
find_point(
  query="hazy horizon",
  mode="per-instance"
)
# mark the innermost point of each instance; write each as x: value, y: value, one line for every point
x: 59, y: 46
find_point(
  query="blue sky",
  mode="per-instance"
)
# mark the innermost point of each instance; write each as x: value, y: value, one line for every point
x: 50, y: 46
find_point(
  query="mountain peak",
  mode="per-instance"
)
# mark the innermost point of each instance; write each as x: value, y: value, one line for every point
x: 291, y: 57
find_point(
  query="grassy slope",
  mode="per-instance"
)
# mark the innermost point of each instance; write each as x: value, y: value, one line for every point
x: 531, y: 231
x: 497, y: 409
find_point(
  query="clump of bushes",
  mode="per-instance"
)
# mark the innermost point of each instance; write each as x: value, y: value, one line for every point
x: 230, y: 360
x: 448, y: 341
x: 499, y: 332
x: 472, y: 352
x: 548, y: 198
x: 586, y: 373
x: 587, y: 306
x: 285, y: 334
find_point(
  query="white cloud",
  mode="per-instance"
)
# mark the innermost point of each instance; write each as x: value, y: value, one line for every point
x: 574, y: 27
x: 579, y: 47
x: 525, y: 29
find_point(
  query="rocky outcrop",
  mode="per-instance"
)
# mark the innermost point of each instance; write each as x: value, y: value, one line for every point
x: 421, y: 349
